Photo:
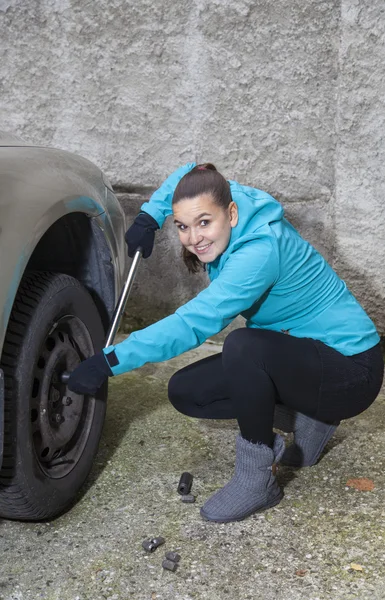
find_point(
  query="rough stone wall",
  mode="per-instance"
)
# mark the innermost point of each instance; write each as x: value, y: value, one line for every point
x: 280, y: 95
x: 141, y: 87
x: 360, y: 175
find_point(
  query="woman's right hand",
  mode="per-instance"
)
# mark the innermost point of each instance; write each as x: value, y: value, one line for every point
x: 141, y: 234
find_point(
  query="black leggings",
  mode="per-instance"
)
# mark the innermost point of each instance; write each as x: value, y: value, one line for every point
x: 258, y: 368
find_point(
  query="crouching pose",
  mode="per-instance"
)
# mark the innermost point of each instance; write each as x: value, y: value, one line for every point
x: 308, y: 357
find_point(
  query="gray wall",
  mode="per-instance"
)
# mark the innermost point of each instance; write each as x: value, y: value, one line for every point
x: 284, y: 96
x: 359, y: 213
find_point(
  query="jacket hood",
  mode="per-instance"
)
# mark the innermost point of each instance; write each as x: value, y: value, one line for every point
x: 256, y: 211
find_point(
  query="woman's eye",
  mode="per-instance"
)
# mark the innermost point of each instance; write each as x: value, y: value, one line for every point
x: 182, y: 227
x: 204, y: 223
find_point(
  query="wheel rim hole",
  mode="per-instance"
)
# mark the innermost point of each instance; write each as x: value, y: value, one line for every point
x: 50, y: 343
x: 72, y: 343
x: 60, y: 336
x: 41, y: 363
x: 35, y: 388
x: 45, y: 452
x: 34, y: 415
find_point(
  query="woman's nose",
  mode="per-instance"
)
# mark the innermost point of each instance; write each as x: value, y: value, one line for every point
x: 195, y: 237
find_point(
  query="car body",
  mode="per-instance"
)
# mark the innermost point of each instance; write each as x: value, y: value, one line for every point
x: 59, y: 221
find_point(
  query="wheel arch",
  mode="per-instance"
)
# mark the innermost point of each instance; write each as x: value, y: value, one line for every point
x: 76, y: 245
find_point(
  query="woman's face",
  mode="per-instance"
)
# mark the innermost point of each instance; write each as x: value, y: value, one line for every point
x: 204, y: 227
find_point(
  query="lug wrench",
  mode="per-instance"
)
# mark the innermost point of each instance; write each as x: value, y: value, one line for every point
x: 119, y: 309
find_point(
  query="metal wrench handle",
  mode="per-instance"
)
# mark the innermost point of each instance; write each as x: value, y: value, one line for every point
x: 119, y: 309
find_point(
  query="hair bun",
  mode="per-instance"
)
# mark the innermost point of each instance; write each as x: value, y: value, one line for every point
x: 206, y: 167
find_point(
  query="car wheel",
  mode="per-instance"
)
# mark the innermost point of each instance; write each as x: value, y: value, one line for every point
x: 51, y: 435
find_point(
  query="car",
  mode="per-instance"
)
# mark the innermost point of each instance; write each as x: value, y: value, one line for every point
x: 63, y: 264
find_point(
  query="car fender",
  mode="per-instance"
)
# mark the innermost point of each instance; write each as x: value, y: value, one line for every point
x: 33, y: 197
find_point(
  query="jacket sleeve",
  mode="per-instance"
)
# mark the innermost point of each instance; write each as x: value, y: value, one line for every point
x: 248, y: 273
x: 159, y: 206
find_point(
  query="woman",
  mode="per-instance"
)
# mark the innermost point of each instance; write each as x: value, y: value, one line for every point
x: 308, y: 357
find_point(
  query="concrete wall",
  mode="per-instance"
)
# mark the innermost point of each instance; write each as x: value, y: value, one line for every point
x: 285, y: 96
x: 360, y: 158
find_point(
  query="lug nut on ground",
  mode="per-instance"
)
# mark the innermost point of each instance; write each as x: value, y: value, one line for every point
x: 188, y: 498
x: 152, y: 544
x: 169, y: 565
x: 172, y: 556
x: 185, y: 483
x: 171, y: 561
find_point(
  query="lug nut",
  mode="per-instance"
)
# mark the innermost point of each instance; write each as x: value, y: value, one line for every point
x: 173, y: 556
x: 185, y: 483
x: 67, y: 400
x: 169, y: 565
x: 152, y: 544
x: 57, y: 418
x: 188, y: 498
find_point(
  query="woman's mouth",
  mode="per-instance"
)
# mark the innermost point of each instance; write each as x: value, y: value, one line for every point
x: 203, y: 248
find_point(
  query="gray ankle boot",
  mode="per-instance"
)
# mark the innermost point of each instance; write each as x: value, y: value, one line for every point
x: 253, y: 486
x: 310, y: 436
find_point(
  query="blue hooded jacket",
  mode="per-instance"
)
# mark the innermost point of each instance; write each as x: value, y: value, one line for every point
x: 268, y: 274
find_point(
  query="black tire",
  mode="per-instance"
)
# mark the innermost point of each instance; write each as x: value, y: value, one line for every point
x: 51, y: 435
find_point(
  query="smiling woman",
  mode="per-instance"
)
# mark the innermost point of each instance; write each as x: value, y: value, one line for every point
x: 329, y: 368
x: 204, y: 213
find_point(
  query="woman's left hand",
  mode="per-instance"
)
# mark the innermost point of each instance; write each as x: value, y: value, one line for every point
x: 90, y: 375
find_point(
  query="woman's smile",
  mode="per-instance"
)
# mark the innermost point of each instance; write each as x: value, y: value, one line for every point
x: 202, y: 249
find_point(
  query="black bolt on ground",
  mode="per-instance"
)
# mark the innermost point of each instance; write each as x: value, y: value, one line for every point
x: 172, y: 556
x: 169, y: 565
x: 152, y: 544
x: 185, y: 483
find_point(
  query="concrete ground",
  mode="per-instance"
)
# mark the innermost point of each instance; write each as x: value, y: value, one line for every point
x: 302, y: 549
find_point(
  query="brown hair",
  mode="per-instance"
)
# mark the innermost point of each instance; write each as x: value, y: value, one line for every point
x: 202, y: 179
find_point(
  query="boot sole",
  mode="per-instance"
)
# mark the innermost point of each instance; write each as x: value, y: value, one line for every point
x: 272, y: 503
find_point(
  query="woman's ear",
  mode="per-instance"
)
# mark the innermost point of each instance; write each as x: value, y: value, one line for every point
x: 233, y: 210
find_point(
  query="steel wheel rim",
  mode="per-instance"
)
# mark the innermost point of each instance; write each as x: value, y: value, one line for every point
x: 60, y: 419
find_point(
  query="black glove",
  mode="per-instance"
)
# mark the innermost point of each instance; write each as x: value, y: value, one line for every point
x: 141, y: 233
x: 90, y: 375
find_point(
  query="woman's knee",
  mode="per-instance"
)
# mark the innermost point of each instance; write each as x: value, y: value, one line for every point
x: 178, y: 393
